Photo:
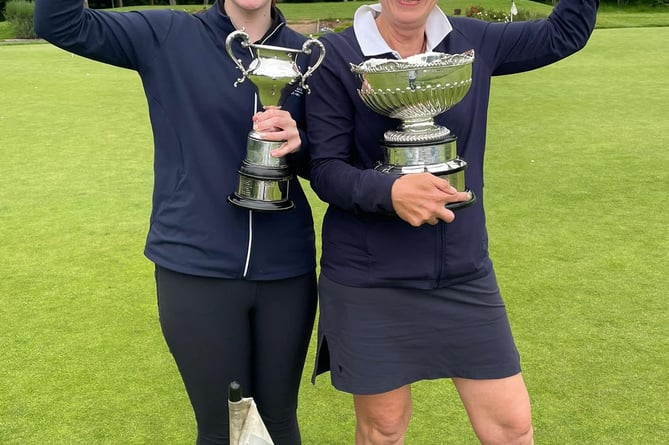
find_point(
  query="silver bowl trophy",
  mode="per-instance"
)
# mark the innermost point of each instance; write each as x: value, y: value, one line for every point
x: 263, y: 179
x: 415, y: 90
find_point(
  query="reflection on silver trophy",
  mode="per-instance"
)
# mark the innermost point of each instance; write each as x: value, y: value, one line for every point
x: 263, y: 179
x: 415, y: 90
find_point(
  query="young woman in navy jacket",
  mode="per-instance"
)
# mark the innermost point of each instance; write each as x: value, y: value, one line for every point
x: 236, y: 288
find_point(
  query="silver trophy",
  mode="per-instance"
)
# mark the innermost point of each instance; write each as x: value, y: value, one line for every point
x: 415, y: 90
x: 263, y: 179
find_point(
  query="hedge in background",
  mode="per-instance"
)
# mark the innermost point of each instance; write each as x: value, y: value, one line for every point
x: 20, y: 14
x: 491, y: 15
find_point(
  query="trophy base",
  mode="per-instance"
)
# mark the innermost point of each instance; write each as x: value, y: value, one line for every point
x: 437, y: 157
x: 260, y: 206
x: 262, y: 188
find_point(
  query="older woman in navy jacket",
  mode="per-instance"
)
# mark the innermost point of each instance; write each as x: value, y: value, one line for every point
x: 414, y: 296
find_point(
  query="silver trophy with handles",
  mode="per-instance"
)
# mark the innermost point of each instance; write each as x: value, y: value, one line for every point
x: 263, y: 179
x: 415, y: 90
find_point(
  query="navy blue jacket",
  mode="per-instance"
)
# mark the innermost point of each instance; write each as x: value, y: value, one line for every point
x: 362, y: 245
x: 200, y: 124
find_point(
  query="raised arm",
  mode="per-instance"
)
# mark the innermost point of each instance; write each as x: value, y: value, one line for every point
x: 123, y: 39
x: 524, y: 46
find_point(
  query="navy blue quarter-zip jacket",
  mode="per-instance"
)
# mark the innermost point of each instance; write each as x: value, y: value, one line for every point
x: 362, y: 245
x: 200, y: 124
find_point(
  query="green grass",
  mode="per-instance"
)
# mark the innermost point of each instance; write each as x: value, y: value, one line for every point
x: 577, y: 180
x: 576, y: 193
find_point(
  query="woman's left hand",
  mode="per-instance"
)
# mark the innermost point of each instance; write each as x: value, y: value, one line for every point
x: 275, y: 124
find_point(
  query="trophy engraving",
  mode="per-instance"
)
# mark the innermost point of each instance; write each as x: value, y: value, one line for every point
x: 263, y: 179
x: 415, y: 90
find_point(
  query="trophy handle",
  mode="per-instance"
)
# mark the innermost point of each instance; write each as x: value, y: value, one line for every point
x: 306, y: 49
x: 228, y: 47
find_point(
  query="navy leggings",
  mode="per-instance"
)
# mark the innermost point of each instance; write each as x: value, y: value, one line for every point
x: 253, y: 332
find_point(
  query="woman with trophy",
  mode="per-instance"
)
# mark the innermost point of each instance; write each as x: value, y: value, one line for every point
x: 236, y: 286
x: 407, y: 288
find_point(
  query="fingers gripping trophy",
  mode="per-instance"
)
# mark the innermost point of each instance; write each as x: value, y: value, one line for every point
x: 263, y: 179
x: 415, y: 90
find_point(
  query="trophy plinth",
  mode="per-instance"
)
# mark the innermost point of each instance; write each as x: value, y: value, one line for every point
x: 262, y: 178
x: 415, y: 90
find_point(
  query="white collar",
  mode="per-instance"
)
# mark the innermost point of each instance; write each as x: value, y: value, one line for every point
x: 436, y: 29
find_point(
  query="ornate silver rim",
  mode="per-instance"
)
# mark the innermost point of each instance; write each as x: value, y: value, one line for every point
x: 419, y: 61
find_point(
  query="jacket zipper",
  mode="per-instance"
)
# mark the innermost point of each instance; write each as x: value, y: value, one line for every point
x: 440, y: 254
x: 248, y: 248
x: 250, y: 244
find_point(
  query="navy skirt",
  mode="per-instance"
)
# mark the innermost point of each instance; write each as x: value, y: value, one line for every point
x: 373, y: 340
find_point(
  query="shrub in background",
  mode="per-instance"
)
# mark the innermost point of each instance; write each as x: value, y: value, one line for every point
x: 20, y: 14
x: 491, y: 15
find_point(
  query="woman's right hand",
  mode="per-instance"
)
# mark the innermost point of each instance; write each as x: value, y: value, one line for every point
x: 275, y: 124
